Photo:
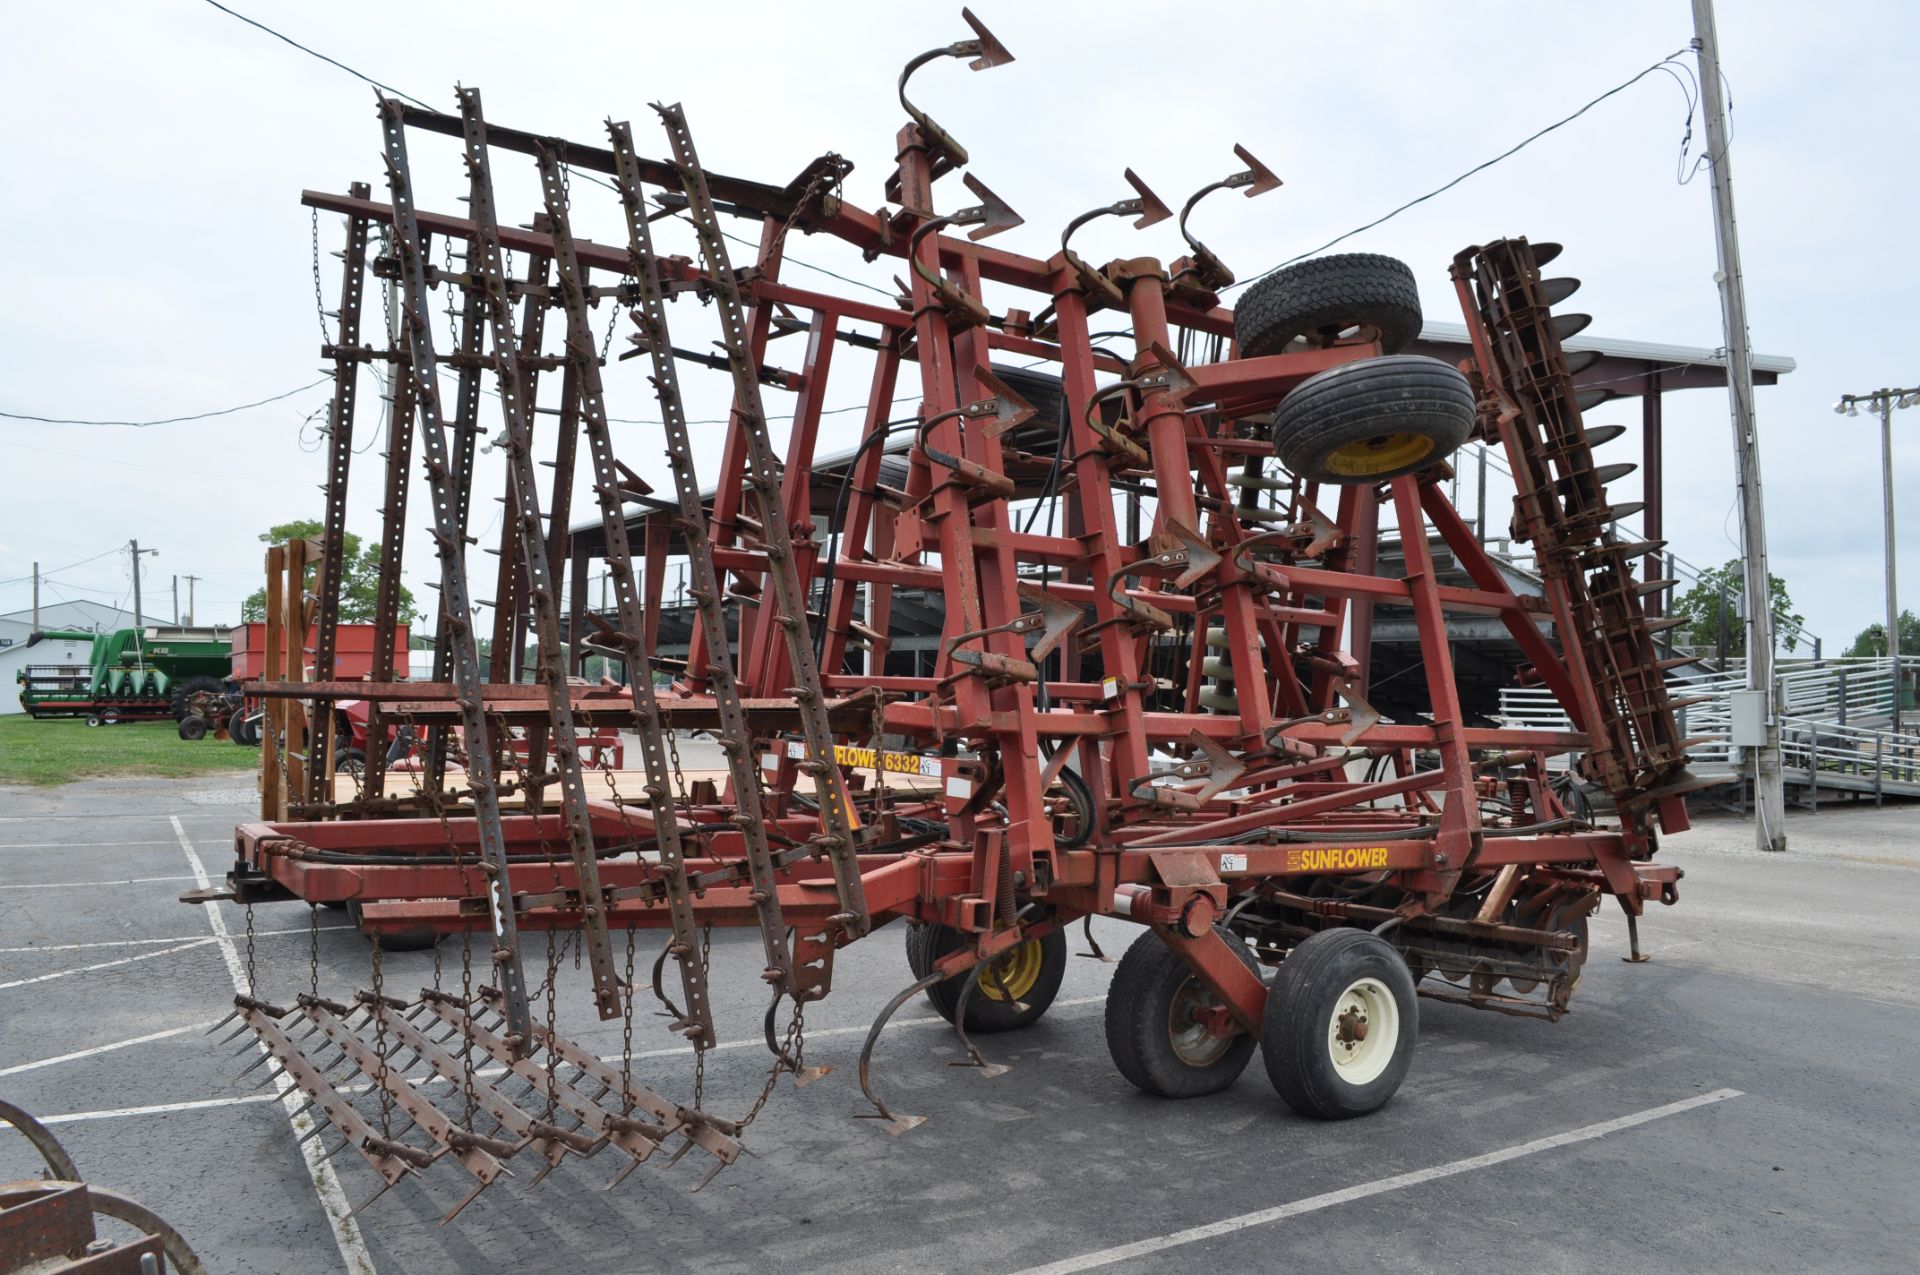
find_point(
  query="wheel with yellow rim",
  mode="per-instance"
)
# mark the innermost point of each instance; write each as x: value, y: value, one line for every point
x: 1009, y: 993
x: 1366, y: 422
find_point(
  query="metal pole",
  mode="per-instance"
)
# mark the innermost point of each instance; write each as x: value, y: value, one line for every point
x: 1886, y: 500
x: 36, y: 597
x: 133, y: 547
x: 1770, y: 832
x: 1480, y: 497
x: 191, y: 612
x: 176, y: 600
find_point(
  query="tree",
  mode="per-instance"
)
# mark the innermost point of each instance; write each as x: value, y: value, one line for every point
x: 359, y: 578
x: 1724, y: 587
x: 1872, y: 640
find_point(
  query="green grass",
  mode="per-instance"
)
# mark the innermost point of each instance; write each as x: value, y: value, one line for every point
x: 61, y: 750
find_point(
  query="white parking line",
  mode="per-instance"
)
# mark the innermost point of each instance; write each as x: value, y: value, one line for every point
x: 77, y: 845
x: 78, y: 1054
x: 158, y: 1109
x: 333, y: 1200
x: 81, y: 885
x: 1398, y: 1182
x: 104, y: 965
x: 177, y: 938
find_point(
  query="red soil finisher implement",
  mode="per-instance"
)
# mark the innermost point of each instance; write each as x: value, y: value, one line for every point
x: 1164, y: 726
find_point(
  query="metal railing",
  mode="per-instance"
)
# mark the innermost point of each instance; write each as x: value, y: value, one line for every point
x: 1833, y: 717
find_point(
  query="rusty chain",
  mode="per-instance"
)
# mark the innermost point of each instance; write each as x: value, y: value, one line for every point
x: 319, y: 298
x: 626, y: 1035
x: 313, y: 948
x: 380, y: 1041
x: 252, y: 988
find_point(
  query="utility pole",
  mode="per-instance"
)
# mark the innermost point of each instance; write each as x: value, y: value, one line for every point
x: 36, y: 597
x: 190, y: 608
x: 176, y: 601
x: 133, y: 548
x: 1885, y: 401
x: 1769, y: 792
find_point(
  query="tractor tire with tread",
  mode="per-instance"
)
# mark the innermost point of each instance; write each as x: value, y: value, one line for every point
x: 1031, y: 972
x: 1156, y: 1052
x: 1366, y: 422
x: 187, y: 688
x: 1326, y: 297
x: 1331, y: 987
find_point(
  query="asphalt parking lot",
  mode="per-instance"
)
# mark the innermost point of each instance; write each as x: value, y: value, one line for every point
x: 1746, y: 1101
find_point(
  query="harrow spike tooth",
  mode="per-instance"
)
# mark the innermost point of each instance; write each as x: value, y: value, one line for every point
x: 680, y: 1151
x: 545, y: 1169
x: 237, y: 1032
x: 470, y: 1197
x: 311, y: 1134
x: 708, y: 1176
x: 273, y: 1077
x: 621, y: 1176
x: 385, y: 1186
x: 264, y: 1058
x: 231, y: 1015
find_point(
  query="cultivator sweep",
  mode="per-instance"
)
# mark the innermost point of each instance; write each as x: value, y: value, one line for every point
x: 1163, y: 723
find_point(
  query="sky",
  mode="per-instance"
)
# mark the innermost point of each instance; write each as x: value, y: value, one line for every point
x: 161, y: 263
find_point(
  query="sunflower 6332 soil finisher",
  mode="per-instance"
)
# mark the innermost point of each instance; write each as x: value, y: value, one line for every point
x: 1161, y: 726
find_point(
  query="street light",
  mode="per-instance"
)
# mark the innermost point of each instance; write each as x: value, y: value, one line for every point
x: 1884, y: 401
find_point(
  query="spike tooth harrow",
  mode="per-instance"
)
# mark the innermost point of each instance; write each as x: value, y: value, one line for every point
x: 1159, y: 723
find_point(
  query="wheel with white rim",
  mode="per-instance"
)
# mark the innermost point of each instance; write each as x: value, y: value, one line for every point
x: 1166, y: 1029
x: 1340, y: 1025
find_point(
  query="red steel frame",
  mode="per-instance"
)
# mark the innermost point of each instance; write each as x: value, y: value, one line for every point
x: 1299, y: 729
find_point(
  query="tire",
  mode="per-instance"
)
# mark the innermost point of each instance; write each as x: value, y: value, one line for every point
x: 94, y: 719
x: 1150, y: 986
x: 350, y: 761
x: 1031, y: 972
x: 394, y: 940
x: 1373, y: 420
x: 184, y: 691
x: 243, y: 728
x: 193, y: 726
x: 1325, y: 297
x: 1331, y: 974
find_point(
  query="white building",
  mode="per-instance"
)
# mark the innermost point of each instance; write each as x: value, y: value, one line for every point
x: 18, y: 649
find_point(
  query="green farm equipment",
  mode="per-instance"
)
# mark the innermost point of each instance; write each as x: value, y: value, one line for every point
x: 134, y: 674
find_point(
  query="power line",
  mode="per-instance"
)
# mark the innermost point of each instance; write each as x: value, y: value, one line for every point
x: 315, y: 53
x: 170, y: 420
x: 596, y: 180
x: 1477, y: 168
x: 70, y: 566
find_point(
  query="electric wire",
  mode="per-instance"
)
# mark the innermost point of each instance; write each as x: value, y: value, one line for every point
x: 170, y: 420
x: 1671, y: 58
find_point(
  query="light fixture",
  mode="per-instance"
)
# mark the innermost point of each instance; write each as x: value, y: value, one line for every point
x: 1909, y: 399
x: 1840, y: 407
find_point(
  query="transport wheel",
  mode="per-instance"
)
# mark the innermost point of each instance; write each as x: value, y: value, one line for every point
x: 395, y: 940
x: 1156, y: 1023
x: 94, y: 719
x: 1348, y: 294
x: 1340, y: 1025
x: 244, y: 729
x: 350, y: 761
x: 193, y: 726
x: 1373, y: 420
x: 1014, y: 990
